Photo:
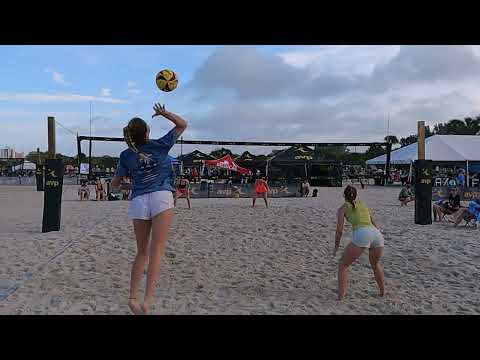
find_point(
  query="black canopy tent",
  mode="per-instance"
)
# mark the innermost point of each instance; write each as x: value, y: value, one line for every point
x: 303, y: 162
x: 193, y: 160
x: 291, y: 163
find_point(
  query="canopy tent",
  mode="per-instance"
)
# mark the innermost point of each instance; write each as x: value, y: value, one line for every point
x: 438, y: 148
x: 246, y: 158
x: 293, y: 160
x: 27, y: 165
x: 172, y: 159
x: 293, y: 154
x: 227, y: 162
x: 195, y: 158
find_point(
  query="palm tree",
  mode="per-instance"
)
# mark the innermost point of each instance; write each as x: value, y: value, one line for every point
x: 392, y: 139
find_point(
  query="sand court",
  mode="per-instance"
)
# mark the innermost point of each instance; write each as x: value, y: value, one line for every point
x: 223, y: 257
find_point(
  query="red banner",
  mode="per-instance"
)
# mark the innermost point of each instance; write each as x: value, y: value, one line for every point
x: 227, y: 162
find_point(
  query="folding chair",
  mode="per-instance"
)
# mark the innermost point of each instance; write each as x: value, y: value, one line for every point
x: 470, y: 221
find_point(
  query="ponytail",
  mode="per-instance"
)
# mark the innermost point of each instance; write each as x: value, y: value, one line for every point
x: 135, y: 134
x: 350, y: 194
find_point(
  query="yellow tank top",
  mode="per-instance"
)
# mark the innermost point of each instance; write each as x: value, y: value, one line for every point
x: 358, y: 217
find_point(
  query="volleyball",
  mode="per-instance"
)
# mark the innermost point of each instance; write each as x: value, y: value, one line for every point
x: 167, y: 80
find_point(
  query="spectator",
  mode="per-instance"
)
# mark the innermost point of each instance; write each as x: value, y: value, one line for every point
x: 447, y: 207
x: 84, y: 191
x: 306, y: 188
x: 471, y: 213
x: 461, y: 178
x: 405, y: 195
x: 99, y: 191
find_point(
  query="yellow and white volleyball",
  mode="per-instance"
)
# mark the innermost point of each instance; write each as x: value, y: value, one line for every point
x: 167, y: 80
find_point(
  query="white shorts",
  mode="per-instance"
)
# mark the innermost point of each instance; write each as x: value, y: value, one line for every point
x: 367, y: 237
x: 147, y: 206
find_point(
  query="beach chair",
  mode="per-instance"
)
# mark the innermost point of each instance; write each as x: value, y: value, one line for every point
x: 470, y: 222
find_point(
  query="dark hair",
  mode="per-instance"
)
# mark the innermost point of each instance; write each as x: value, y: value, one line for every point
x: 135, y: 133
x: 350, y: 194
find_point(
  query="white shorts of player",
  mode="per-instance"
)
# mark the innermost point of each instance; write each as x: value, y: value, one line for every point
x: 367, y: 237
x: 147, y: 206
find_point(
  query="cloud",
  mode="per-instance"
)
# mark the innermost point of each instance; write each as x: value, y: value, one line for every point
x: 330, y: 96
x: 427, y: 64
x: 104, y: 92
x: 50, y: 98
x: 348, y: 59
x: 132, y: 88
x: 134, y: 91
x: 56, y: 76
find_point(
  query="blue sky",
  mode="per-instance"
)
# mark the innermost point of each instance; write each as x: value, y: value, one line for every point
x: 275, y: 93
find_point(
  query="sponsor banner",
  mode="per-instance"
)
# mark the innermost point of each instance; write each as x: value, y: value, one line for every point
x: 84, y: 169
x: 240, y: 190
x: 466, y: 193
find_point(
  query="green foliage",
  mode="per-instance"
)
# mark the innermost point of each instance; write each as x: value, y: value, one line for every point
x: 468, y: 126
x: 392, y: 139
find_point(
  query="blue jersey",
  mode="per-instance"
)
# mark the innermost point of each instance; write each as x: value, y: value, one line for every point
x: 151, y: 169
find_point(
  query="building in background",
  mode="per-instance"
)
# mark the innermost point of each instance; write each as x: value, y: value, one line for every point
x: 10, y: 153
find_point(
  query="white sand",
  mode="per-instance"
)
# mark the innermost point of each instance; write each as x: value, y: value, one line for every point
x: 224, y: 257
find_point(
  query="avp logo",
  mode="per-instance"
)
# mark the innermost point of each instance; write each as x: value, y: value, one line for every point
x: 52, y: 173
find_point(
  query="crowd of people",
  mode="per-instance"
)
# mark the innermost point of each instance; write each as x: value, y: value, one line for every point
x: 448, y: 208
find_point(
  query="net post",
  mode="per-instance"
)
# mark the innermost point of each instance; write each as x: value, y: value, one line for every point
x: 52, y: 204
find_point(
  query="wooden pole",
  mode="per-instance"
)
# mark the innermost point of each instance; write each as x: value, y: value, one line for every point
x: 51, y: 137
x: 421, y: 140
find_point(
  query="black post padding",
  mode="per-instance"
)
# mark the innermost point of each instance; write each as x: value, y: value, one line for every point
x: 39, y: 178
x: 79, y: 151
x: 52, y: 203
x: 387, y: 165
x: 90, y: 159
x: 423, y: 192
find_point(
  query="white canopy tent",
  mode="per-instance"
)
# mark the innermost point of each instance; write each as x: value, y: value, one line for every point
x: 27, y: 165
x: 438, y: 148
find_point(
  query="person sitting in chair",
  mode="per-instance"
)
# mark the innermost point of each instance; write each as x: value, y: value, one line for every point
x: 306, y: 188
x: 405, y: 195
x: 84, y: 191
x: 471, y: 213
x: 446, y: 207
x: 99, y: 191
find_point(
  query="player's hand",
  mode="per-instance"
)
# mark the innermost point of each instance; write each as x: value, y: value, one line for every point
x: 159, y: 110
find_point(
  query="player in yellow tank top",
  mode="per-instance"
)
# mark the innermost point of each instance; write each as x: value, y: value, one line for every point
x: 365, y: 235
x: 358, y: 217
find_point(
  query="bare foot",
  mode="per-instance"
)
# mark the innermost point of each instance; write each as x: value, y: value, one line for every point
x: 134, y: 306
x: 146, y: 307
